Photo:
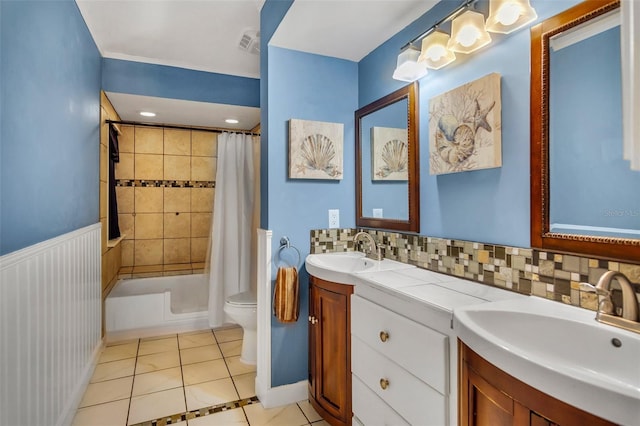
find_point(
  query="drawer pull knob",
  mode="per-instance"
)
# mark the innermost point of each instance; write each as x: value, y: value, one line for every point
x: 384, y: 384
x: 384, y: 336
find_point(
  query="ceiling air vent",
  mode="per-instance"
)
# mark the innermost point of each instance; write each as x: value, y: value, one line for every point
x: 250, y: 42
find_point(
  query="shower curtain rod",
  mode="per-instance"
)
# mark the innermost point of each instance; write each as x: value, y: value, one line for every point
x: 169, y: 126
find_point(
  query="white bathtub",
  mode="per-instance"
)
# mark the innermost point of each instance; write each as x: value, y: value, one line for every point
x: 144, y: 307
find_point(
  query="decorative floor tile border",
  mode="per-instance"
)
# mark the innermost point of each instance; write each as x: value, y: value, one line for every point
x: 166, y: 183
x: 200, y: 412
x: 554, y: 276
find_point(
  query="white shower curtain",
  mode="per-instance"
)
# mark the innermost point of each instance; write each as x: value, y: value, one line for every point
x: 231, y: 231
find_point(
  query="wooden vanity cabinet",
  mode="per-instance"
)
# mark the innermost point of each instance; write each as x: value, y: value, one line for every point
x: 490, y: 397
x: 330, y: 350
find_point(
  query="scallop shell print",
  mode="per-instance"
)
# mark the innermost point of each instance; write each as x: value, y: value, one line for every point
x: 394, y: 156
x: 318, y: 151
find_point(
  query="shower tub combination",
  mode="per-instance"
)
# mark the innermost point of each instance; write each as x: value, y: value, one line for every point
x: 143, y: 307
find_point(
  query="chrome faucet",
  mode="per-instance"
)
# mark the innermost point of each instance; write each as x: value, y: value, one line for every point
x: 372, y: 245
x: 628, y: 318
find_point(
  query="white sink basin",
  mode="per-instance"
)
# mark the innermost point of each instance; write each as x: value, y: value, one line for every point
x: 560, y: 350
x: 339, y: 267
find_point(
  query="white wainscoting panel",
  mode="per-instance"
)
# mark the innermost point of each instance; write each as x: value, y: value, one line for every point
x: 50, y: 327
x: 280, y: 395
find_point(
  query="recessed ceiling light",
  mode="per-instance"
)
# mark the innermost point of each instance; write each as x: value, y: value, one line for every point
x: 147, y: 114
x: 231, y: 121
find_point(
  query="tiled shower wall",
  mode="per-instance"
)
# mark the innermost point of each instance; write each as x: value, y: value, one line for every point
x: 165, y: 191
x: 545, y: 274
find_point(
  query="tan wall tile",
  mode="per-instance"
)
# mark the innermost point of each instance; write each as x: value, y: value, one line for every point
x: 104, y: 199
x: 127, y: 252
x: 204, y: 143
x: 125, y: 140
x: 124, y: 168
x: 177, y: 167
x: 104, y: 235
x: 149, y: 167
x: 148, y: 252
x: 127, y: 225
x: 177, y: 250
x: 148, y: 226
x: 203, y: 169
x: 200, y: 224
x: 125, y: 197
x: 148, y: 199
x: 202, y: 199
x: 149, y: 140
x: 177, y: 200
x: 177, y: 142
x: 177, y: 225
x: 199, y: 249
x: 104, y: 281
x: 104, y: 163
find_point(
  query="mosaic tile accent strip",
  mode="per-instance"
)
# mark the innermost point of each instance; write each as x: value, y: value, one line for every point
x: 201, y: 412
x: 554, y: 276
x: 166, y: 183
x: 332, y: 240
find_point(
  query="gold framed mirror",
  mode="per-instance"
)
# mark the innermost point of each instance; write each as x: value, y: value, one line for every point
x: 572, y: 204
x: 387, y: 162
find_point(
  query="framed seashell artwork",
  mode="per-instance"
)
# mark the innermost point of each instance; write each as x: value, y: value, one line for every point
x: 316, y: 150
x: 389, y: 154
x: 465, y: 127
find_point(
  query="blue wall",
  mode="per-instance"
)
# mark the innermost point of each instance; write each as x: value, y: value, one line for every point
x: 490, y: 206
x: 271, y: 15
x: 308, y: 87
x: 162, y: 81
x: 590, y: 182
x: 49, y: 157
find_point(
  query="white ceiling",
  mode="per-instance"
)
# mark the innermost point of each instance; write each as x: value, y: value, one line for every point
x: 204, y: 35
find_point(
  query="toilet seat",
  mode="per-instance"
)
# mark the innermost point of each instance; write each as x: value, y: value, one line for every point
x: 245, y: 299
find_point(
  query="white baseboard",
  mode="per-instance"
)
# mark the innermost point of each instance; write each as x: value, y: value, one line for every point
x: 69, y: 412
x: 282, y: 395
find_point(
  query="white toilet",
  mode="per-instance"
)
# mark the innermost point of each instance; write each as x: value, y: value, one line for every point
x: 243, y: 309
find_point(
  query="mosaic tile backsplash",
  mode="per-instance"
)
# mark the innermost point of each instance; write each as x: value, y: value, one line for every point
x: 545, y: 274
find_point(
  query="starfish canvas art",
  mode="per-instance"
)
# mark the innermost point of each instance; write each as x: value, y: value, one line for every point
x: 465, y: 127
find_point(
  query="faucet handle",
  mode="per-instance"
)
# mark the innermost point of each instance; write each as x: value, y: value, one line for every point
x: 593, y: 289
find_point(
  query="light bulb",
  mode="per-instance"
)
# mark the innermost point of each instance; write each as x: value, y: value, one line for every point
x: 436, y: 52
x: 468, y: 35
x: 509, y: 13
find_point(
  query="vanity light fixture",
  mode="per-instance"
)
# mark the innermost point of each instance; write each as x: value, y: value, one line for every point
x: 147, y: 114
x: 231, y: 121
x: 435, y: 53
x: 408, y: 68
x: 468, y: 33
x: 506, y: 16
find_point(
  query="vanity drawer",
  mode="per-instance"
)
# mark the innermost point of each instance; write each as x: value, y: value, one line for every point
x: 370, y: 409
x: 419, y: 349
x: 413, y: 399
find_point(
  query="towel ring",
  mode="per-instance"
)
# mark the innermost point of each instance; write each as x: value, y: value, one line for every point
x: 285, y: 245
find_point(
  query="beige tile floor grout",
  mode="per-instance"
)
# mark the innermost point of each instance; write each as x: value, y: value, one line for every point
x: 192, y: 379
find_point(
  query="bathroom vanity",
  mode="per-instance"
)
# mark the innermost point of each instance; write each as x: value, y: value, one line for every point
x: 432, y: 349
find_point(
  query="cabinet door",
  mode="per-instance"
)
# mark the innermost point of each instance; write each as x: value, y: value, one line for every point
x: 486, y: 405
x: 490, y: 396
x: 312, y: 341
x: 330, y: 351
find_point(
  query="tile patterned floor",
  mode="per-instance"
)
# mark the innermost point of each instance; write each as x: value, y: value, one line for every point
x: 192, y: 379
